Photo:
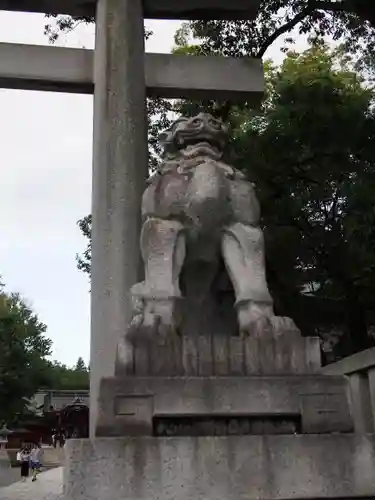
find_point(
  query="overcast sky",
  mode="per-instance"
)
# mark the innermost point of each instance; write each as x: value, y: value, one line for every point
x: 45, y: 187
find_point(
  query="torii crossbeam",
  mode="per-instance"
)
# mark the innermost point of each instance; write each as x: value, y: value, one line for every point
x: 153, y: 9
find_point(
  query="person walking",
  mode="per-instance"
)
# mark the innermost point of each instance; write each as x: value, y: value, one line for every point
x: 23, y: 456
x: 35, y: 460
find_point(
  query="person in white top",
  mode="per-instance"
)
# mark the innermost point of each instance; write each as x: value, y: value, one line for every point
x: 23, y: 456
x: 35, y: 460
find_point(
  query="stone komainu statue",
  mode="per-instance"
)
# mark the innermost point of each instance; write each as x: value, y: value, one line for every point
x: 199, y: 212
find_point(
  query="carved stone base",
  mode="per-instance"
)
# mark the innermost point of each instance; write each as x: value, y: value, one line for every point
x: 306, y: 404
x: 176, y: 355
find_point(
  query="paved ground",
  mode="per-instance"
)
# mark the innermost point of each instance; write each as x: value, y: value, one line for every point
x: 9, y: 475
x: 48, y: 486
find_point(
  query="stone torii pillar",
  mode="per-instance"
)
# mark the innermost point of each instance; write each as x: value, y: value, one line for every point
x: 119, y: 172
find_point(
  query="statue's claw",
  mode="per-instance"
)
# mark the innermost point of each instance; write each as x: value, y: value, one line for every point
x: 282, y: 324
x: 258, y: 319
x: 254, y: 318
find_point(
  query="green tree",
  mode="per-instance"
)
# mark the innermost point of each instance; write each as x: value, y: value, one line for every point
x: 316, y: 180
x: 84, y: 260
x: 64, y: 378
x: 23, y: 352
x: 80, y: 366
x: 348, y: 21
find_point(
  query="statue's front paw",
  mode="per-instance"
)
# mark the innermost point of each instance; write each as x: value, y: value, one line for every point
x: 255, y: 318
x: 160, y: 317
x: 282, y: 325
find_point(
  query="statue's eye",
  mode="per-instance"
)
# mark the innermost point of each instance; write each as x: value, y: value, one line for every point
x: 214, y: 123
x: 197, y: 121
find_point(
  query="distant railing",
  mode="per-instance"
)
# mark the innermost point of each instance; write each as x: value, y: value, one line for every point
x: 360, y: 370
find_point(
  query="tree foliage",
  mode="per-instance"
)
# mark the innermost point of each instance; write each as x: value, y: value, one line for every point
x: 350, y: 22
x: 84, y: 260
x: 65, y: 378
x: 316, y: 180
x: 80, y: 365
x: 24, y: 364
x: 23, y: 355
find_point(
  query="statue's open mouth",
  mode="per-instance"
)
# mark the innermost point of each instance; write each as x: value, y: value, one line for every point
x: 200, y: 141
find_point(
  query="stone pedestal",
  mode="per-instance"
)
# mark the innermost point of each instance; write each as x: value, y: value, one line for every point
x: 222, y: 386
x: 198, y: 408
x: 192, y: 420
x: 221, y: 468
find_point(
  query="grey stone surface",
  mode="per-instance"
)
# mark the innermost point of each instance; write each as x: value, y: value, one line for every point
x: 63, y: 69
x: 8, y: 477
x: 43, y: 68
x: 221, y: 468
x: 164, y: 9
x: 361, y: 405
x: 6, y: 472
x: 361, y: 361
x: 320, y: 402
x: 371, y: 379
x: 360, y: 369
x: 203, y: 77
x: 223, y: 355
x: 325, y: 412
x: 120, y: 166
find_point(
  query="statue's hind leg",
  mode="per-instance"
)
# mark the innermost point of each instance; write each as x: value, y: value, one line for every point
x: 243, y: 253
x: 163, y: 252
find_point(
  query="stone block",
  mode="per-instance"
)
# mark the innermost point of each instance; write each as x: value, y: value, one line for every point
x: 205, y: 356
x: 267, y: 397
x: 221, y: 468
x: 236, y: 356
x: 371, y: 378
x: 221, y: 354
x: 360, y: 399
x: 189, y: 356
x: 204, y: 77
x: 359, y: 362
x: 165, y: 357
x: 324, y: 413
x: 62, y: 69
x: 267, y: 354
x: 144, y: 355
x: 225, y: 355
x: 123, y: 414
x: 313, y: 354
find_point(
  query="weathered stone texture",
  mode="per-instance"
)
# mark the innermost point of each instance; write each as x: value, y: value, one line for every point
x: 221, y: 468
